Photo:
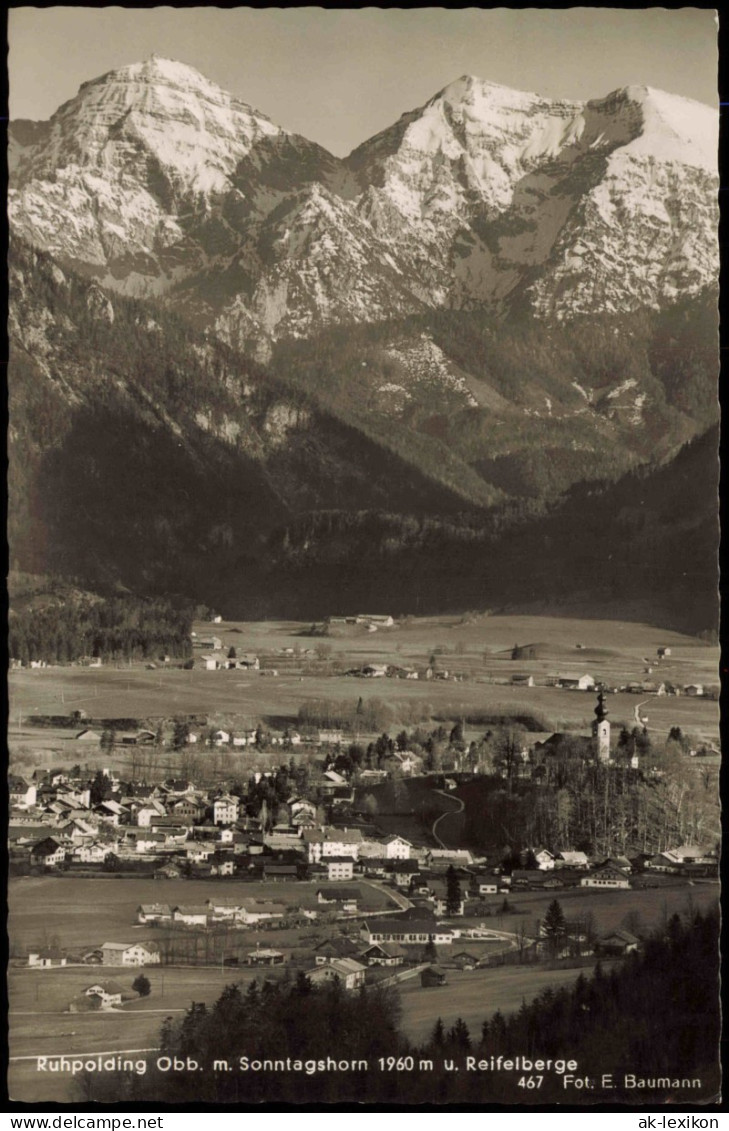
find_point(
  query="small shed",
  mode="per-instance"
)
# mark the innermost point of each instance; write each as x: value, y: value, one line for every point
x: 265, y: 957
x: 433, y: 976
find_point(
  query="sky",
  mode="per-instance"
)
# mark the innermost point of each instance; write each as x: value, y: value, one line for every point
x: 339, y: 76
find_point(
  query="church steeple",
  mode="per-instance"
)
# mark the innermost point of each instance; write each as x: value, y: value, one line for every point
x: 601, y: 730
x: 601, y: 710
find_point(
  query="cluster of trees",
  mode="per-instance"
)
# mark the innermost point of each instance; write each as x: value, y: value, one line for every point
x: 567, y: 800
x: 110, y: 628
x: 371, y: 714
x: 656, y: 1015
x: 264, y: 797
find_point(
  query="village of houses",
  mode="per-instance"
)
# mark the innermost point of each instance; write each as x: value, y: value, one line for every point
x: 377, y: 905
x: 320, y: 888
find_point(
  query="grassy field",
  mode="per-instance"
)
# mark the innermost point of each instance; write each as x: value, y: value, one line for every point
x: 474, y: 995
x: 613, y: 651
x: 86, y: 913
x: 39, y: 1025
x: 609, y: 908
x: 38, y: 998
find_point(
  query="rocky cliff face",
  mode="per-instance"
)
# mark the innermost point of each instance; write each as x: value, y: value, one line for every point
x: 604, y: 205
x: 156, y: 182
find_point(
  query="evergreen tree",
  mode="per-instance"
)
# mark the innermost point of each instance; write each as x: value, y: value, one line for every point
x: 429, y: 952
x: 100, y: 787
x: 554, y: 925
x: 142, y: 985
x: 453, y: 892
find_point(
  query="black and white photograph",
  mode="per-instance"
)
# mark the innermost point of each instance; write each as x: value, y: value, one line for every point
x: 363, y: 527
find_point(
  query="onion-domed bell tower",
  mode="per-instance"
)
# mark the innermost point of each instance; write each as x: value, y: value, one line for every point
x: 601, y: 730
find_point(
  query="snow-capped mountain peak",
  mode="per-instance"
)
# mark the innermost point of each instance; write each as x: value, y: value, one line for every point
x: 153, y: 176
x: 672, y: 128
x: 160, y: 109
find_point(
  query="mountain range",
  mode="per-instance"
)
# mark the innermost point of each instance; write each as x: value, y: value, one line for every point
x: 153, y: 180
x: 495, y: 300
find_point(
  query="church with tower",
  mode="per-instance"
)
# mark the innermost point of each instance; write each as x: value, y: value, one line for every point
x: 601, y: 731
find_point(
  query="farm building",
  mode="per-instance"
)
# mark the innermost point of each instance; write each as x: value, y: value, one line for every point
x: 576, y: 682
x: 154, y: 913
x: 91, y: 853
x: 129, y: 954
x: 618, y: 941
x: 402, y: 872
x: 339, y: 947
x: 349, y: 972
x: 168, y: 872
x: 265, y: 957
x: 443, y: 857
x: 485, y: 885
x: 108, y: 993
x: 213, y: 643
x: 188, y: 809
x: 190, y: 915
x: 383, y: 954
x: 20, y: 793
x: 396, y: 847
x: 255, y: 911
x: 571, y: 860
x: 47, y: 852
x: 433, y: 976
x: 347, y: 897
x: 374, y: 671
x: 464, y: 960
x: 220, y: 867
x: 49, y: 956
x: 280, y: 871
x: 331, y: 842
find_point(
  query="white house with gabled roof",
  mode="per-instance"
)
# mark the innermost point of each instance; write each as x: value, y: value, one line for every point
x: 225, y: 810
x: 396, y: 847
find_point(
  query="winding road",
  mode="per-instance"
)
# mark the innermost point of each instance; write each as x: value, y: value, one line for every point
x: 437, y: 821
x: 638, y: 716
x: 402, y: 901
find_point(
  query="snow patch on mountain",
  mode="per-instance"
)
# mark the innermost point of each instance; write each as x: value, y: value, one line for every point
x: 156, y: 182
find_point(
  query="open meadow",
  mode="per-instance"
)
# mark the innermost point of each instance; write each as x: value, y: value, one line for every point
x: 609, y: 909
x: 480, y: 649
x: 88, y: 912
x: 38, y: 1000
x: 473, y: 995
x: 41, y: 1026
